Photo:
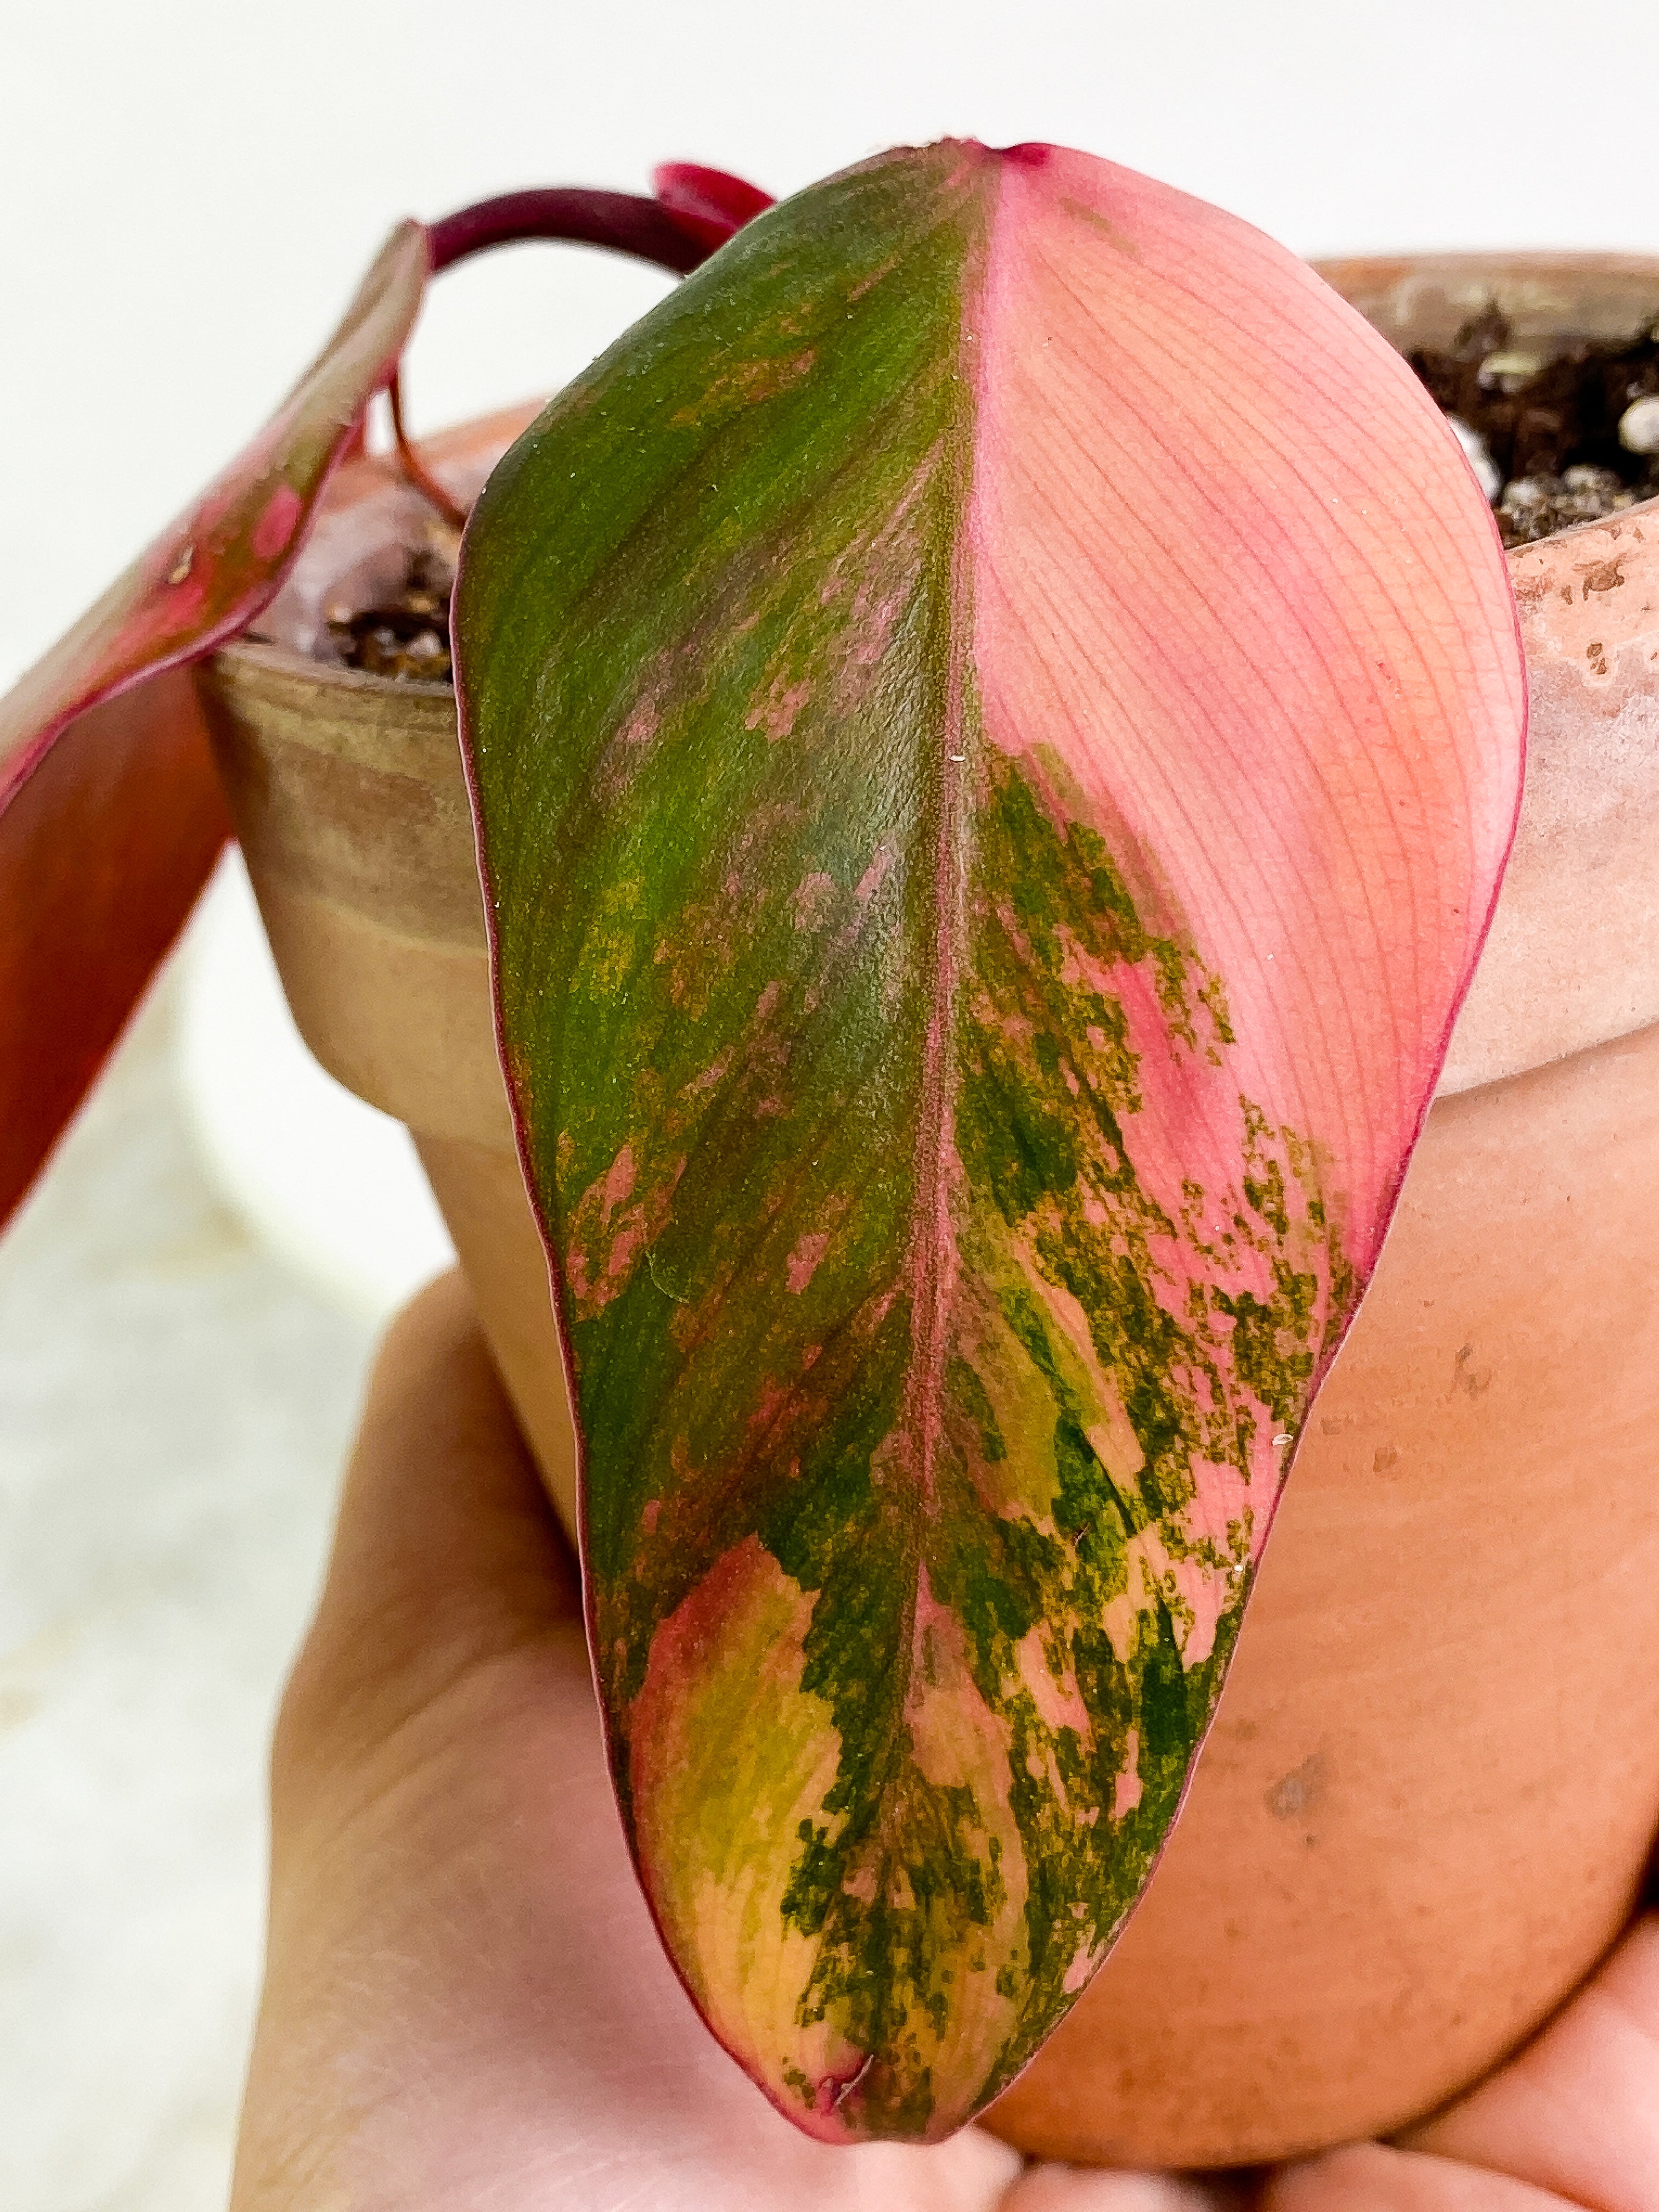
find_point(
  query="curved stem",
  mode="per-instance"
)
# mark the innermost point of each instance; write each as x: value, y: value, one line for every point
x: 623, y: 222
x: 414, y: 468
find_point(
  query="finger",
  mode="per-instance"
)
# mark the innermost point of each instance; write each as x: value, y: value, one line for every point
x: 1374, y: 2177
x: 1085, y: 2188
x: 444, y: 1550
x: 1578, y: 2112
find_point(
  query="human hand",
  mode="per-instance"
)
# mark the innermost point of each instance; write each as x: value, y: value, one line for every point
x: 465, y: 2004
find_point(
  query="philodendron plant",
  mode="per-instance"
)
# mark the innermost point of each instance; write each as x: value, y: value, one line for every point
x: 994, y: 715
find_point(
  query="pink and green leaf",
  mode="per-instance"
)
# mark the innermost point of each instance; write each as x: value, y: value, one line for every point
x: 110, y: 809
x: 996, y: 719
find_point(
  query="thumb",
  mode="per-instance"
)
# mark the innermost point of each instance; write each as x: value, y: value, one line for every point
x: 446, y: 1553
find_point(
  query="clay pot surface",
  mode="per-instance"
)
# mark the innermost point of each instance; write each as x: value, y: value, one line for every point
x: 1427, y: 1802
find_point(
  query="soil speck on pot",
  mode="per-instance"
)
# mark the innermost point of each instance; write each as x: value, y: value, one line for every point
x: 1300, y: 1790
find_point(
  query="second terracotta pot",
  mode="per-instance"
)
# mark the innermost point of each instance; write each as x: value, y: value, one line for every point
x: 1425, y: 1807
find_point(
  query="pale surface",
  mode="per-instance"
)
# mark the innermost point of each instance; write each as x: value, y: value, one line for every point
x: 173, y: 1408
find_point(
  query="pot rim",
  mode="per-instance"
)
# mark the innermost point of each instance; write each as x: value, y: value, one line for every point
x: 1571, y: 962
x: 273, y: 652
x: 1551, y: 260
x: 461, y: 443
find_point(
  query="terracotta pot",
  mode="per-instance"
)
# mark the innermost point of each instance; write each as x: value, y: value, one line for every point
x: 1428, y: 1799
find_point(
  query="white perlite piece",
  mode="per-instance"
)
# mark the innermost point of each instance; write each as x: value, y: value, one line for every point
x: 1639, y: 426
x: 1507, y: 372
x: 1474, y: 448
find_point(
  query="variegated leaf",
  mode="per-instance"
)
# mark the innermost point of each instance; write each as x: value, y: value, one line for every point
x: 110, y: 813
x: 996, y: 716
x: 110, y: 809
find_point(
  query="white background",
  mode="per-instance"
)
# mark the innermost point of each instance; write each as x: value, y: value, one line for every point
x: 190, y: 188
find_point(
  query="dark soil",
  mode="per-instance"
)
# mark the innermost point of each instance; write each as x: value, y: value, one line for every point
x: 406, y: 637
x: 1549, y: 419
x: 1548, y: 422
